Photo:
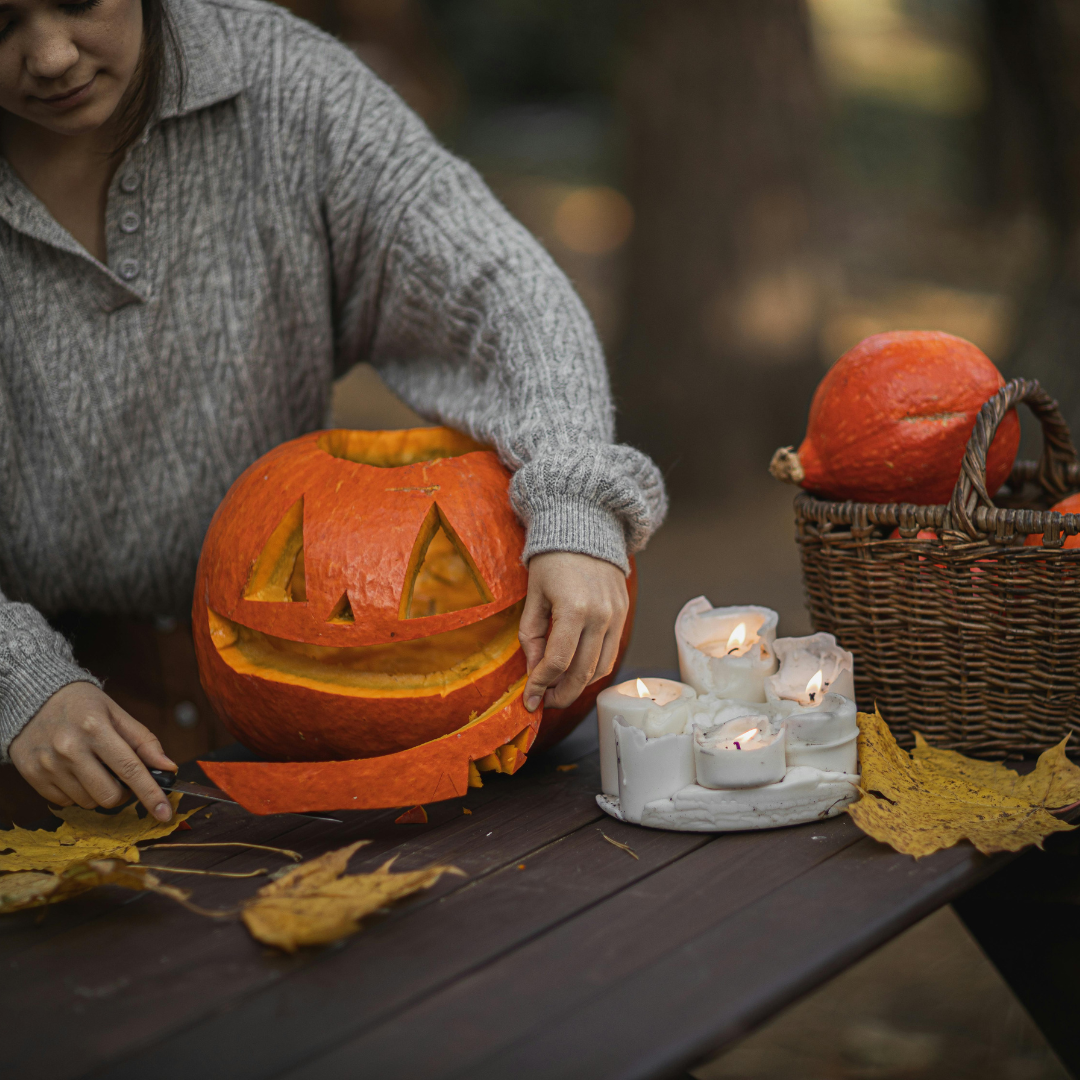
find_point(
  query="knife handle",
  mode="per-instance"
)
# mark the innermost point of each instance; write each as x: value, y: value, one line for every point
x: 163, y: 778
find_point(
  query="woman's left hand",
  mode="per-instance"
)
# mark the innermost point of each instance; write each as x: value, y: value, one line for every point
x: 571, y: 625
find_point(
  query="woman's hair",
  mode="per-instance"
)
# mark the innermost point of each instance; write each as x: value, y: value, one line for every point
x: 160, y: 43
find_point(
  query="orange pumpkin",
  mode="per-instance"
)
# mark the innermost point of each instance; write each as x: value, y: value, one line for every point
x: 1070, y: 505
x: 891, y: 420
x: 356, y: 607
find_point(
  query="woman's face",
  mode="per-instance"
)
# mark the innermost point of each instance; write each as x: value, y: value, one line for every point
x: 66, y: 66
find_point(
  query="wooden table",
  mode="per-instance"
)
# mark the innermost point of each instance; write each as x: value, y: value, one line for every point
x: 557, y: 956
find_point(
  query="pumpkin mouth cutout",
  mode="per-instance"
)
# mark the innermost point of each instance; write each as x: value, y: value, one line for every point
x: 393, y: 449
x: 439, y: 664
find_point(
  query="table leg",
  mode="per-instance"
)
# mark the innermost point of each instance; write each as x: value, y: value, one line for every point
x: 1027, y: 920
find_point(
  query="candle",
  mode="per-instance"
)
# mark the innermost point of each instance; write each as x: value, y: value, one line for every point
x: 824, y: 737
x: 746, y: 751
x: 810, y: 668
x: 726, y: 651
x: 650, y: 768
x: 656, y: 706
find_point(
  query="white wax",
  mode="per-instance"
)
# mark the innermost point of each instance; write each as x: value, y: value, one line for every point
x: 800, y: 659
x: 650, y: 769
x: 825, y: 736
x: 702, y: 633
x: 663, y: 712
x: 724, y: 760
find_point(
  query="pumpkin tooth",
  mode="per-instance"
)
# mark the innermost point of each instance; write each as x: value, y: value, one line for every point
x: 490, y: 763
x: 474, y: 777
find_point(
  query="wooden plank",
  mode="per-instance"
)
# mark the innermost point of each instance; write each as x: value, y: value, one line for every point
x: 395, y: 964
x: 639, y: 988
x: 147, y: 968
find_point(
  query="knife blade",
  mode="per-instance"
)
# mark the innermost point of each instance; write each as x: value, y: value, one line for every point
x: 167, y: 781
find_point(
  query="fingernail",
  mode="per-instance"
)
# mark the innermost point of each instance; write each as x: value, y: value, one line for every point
x: 532, y: 702
x: 163, y: 811
x: 172, y: 764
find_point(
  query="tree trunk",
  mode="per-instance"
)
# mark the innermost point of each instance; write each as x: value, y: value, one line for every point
x: 725, y: 119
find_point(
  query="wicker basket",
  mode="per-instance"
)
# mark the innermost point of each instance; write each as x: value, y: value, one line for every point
x: 971, y: 638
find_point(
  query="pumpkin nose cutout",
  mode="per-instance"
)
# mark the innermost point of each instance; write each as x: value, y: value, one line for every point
x: 278, y: 573
x: 342, y: 612
x: 441, y: 577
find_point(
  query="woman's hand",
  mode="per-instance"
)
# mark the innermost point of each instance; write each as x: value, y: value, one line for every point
x: 63, y: 752
x: 583, y: 602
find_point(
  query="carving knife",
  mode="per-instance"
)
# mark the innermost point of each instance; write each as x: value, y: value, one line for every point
x: 167, y: 782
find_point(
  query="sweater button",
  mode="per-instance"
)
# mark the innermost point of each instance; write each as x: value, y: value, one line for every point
x: 130, y: 222
x: 129, y: 182
x: 129, y: 268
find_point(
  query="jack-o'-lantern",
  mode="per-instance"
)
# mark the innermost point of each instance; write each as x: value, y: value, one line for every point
x: 356, y: 608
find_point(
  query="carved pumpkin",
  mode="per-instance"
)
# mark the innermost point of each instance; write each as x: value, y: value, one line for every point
x: 891, y: 419
x: 355, y: 619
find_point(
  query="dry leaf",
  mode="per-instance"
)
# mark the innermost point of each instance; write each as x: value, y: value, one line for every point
x: 623, y: 847
x: 34, y: 889
x: 85, y: 835
x: 313, y: 904
x: 1052, y: 784
x: 933, y: 800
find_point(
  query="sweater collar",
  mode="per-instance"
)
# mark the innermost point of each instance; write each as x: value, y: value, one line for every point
x: 212, y: 63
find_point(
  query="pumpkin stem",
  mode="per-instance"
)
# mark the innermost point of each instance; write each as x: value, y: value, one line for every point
x: 786, y: 466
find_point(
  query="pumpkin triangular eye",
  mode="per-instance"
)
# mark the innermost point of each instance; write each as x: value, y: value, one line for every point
x: 342, y: 612
x: 278, y: 573
x: 442, y: 577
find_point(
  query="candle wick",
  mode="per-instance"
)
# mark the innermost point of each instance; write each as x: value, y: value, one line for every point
x: 737, y: 746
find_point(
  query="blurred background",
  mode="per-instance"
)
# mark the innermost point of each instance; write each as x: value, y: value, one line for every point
x: 740, y: 192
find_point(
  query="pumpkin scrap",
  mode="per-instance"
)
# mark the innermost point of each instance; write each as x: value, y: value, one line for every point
x: 933, y: 799
x: 86, y: 834
x: 31, y: 889
x: 416, y: 816
x: 444, y: 768
x: 314, y: 904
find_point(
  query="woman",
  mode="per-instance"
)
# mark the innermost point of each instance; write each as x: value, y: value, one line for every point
x: 208, y: 211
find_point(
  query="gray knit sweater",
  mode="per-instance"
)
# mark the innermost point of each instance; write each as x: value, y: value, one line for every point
x: 286, y: 218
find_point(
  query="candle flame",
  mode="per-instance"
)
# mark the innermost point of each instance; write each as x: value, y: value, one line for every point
x: 747, y: 735
x: 738, y: 636
x: 643, y: 690
x: 813, y: 687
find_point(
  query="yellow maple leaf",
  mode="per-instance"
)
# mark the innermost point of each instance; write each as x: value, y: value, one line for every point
x: 30, y: 889
x: 1053, y: 783
x: 313, y: 904
x: 935, y: 798
x: 86, y: 835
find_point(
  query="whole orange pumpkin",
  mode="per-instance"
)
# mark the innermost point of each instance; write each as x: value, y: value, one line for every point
x: 891, y: 419
x: 356, y: 607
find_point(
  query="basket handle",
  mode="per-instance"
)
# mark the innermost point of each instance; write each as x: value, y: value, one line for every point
x: 1058, y: 452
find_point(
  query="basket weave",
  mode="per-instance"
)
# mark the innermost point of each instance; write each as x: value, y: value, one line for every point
x: 971, y: 638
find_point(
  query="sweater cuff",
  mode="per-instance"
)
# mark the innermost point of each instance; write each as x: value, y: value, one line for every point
x: 26, y: 686
x: 569, y: 524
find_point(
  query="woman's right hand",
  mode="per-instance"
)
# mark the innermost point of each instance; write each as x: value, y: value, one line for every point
x: 64, y: 750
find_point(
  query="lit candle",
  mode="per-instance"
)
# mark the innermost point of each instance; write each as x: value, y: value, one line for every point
x: 650, y: 768
x: 746, y: 751
x: 810, y: 668
x: 824, y: 737
x: 726, y: 651
x: 656, y: 706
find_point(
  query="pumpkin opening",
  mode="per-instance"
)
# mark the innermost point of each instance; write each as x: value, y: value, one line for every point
x: 441, y: 662
x: 392, y: 449
x: 441, y: 576
x: 278, y: 573
x: 343, y: 612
